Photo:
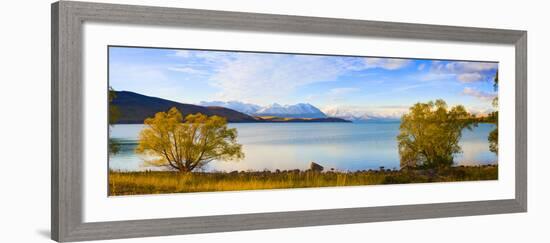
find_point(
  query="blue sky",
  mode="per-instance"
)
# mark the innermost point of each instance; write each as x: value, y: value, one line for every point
x: 359, y: 83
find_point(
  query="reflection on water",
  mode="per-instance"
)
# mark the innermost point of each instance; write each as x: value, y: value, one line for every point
x: 342, y: 146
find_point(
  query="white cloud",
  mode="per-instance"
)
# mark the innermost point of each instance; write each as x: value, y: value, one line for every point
x: 187, y: 70
x: 469, y: 77
x: 386, y: 63
x: 342, y: 91
x: 479, y: 94
x: 436, y: 76
x: 255, y: 77
x: 182, y: 53
x: 471, y: 66
x: 335, y: 94
x: 466, y: 72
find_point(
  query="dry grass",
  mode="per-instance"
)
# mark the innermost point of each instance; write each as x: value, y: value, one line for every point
x: 156, y: 182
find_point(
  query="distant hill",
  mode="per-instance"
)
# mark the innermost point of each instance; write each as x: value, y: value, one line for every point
x: 291, y: 119
x: 135, y: 108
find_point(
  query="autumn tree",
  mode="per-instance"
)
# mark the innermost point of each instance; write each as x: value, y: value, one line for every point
x: 430, y: 133
x: 185, y: 145
x: 113, y: 117
x: 493, y: 135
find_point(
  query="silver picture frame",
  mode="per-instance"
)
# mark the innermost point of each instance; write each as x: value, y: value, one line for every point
x: 67, y: 119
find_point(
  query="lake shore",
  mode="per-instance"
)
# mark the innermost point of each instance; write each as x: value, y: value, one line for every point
x: 163, y: 182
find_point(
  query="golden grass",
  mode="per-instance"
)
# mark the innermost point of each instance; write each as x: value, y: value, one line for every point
x: 160, y: 182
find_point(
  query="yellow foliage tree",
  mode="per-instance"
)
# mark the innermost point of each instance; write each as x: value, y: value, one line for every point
x: 186, y: 145
x: 493, y: 136
x: 114, y: 113
x: 430, y: 134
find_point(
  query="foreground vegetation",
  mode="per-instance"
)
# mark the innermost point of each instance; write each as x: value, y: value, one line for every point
x: 160, y: 182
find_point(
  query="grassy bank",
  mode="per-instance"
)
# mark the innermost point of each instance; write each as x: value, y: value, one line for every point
x: 157, y: 182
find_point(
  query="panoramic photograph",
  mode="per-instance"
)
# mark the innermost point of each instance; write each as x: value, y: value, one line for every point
x: 189, y: 120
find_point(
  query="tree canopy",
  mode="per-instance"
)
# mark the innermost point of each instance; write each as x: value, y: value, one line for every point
x: 493, y: 136
x: 113, y: 117
x: 430, y: 133
x: 186, y: 145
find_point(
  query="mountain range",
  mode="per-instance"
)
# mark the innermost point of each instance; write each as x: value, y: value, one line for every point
x: 234, y: 105
x: 305, y: 110
x: 134, y: 108
x: 360, y: 114
x: 300, y: 110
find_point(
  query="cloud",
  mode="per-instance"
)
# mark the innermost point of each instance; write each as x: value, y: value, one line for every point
x: 471, y: 66
x: 386, y: 63
x: 335, y: 94
x: 187, y: 70
x: 465, y: 72
x: 182, y: 53
x: 469, y: 77
x: 342, y: 91
x: 479, y: 94
x: 436, y: 76
x: 421, y: 67
x: 254, y: 77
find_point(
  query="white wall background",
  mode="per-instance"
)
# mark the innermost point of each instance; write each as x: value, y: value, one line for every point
x: 25, y: 121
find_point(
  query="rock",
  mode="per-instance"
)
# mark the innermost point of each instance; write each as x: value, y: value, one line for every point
x: 315, y: 167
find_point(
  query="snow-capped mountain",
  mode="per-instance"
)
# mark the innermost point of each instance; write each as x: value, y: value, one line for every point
x: 365, y: 113
x: 300, y: 110
x: 346, y: 114
x: 234, y: 105
x: 480, y: 111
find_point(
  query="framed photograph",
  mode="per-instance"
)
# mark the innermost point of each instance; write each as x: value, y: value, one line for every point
x: 173, y: 121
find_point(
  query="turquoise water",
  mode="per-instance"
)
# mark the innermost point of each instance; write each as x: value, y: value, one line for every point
x: 342, y: 146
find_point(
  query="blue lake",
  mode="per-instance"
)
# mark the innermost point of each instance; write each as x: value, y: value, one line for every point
x: 342, y: 146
